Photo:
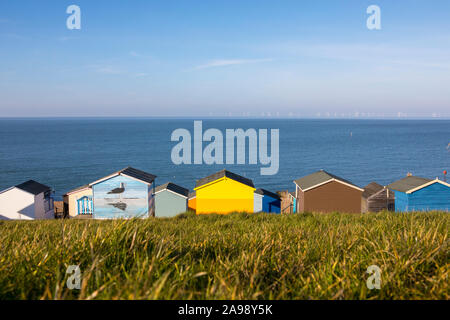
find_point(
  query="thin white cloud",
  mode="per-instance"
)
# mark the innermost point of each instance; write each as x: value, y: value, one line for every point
x: 228, y: 62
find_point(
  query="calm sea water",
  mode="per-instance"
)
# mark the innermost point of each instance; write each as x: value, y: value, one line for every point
x: 67, y: 153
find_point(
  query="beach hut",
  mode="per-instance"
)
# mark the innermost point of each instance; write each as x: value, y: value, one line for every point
x: 192, y: 201
x: 78, y: 203
x: 376, y: 198
x: 224, y: 192
x: 421, y: 194
x: 27, y: 201
x: 325, y: 192
x: 287, y: 202
x: 266, y: 201
x: 127, y: 193
x: 170, y: 200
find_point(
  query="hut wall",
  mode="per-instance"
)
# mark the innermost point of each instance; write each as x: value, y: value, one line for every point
x: 192, y: 204
x: 133, y: 202
x: 433, y: 197
x: 270, y: 204
x: 225, y: 196
x: 333, y: 196
x: 71, y: 201
x: 169, y: 204
x: 300, y: 201
x: 258, y: 202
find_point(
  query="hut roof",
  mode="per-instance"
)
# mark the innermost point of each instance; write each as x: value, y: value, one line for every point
x: 192, y: 194
x: 371, y: 189
x: 222, y: 174
x: 131, y: 172
x: 265, y: 192
x: 33, y: 187
x: 138, y: 174
x: 174, y: 188
x: 321, y: 177
x: 77, y: 189
x: 408, y: 183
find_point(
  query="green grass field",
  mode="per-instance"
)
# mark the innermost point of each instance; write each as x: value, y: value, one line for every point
x: 239, y: 256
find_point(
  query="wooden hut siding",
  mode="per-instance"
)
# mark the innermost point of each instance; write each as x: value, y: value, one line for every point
x: 151, y: 204
x: 169, y: 204
x: 382, y: 200
x: 401, y: 201
x: 329, y: 197
x: 300, y: 201
x: 286, y: 202
x: 433, y: 197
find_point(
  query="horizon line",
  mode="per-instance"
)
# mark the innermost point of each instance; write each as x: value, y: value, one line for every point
x: 221, y: 118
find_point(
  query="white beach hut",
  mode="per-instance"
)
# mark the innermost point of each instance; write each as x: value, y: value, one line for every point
x: 27, y: 201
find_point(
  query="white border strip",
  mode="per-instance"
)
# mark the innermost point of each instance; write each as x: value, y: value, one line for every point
x: 427, y: 184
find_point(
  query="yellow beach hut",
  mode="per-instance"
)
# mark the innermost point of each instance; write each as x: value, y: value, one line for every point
x: 224, y: 192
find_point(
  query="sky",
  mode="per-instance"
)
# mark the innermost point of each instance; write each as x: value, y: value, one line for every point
x: 252, y: 58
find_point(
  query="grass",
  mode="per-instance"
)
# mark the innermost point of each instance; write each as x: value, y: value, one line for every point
x: 239, y: 256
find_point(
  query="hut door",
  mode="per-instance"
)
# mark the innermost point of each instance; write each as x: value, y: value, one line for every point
x: 84, y: 205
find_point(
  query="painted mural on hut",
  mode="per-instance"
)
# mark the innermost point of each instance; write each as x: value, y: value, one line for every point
x: 122, y: 197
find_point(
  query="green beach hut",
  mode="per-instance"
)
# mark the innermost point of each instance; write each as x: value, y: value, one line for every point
x: 170, y: 200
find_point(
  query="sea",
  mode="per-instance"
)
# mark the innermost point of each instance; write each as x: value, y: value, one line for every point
x: 65, y: 153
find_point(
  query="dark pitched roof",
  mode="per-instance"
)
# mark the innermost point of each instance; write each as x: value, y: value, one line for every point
x: 174, y: 188
x: 225, y: 173
x: 265, y: 192
x: 408, y: 183
x: 317, y: 178
x: 33, y: 187
x: 371, y: 189
x: 138, y: 174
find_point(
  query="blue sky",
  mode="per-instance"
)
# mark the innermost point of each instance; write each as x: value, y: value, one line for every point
x: 225, y: 58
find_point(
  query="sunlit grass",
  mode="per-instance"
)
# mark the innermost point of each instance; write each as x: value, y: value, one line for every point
x: 239, y: 256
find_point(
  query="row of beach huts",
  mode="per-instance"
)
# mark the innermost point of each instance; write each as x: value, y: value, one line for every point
x: 130, y: 193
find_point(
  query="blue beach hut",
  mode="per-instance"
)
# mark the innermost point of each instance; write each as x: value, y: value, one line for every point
x: 421, y: 194
x: 128, y: 193
x: 266, y: 201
